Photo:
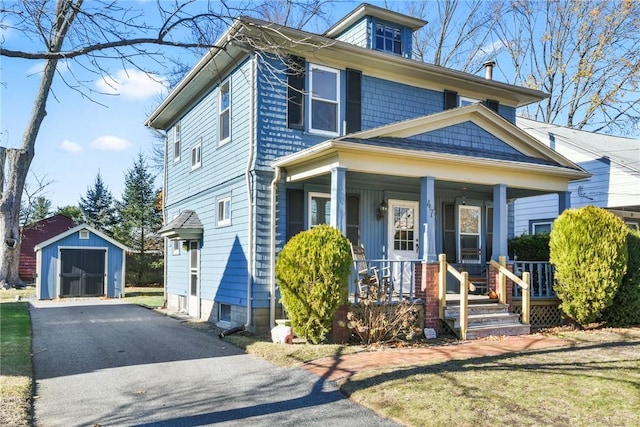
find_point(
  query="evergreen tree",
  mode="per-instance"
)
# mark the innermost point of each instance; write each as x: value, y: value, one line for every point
x: 73, y: 212
x: 98, y: 207
x: 140, y: 219
x: 38, y: 208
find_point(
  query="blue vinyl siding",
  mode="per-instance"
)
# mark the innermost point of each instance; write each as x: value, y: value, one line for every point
x: 50, y: 259
x: 385, y: 102
x: 357, y: 34
x: 219, y: 162
x: 467, y: 135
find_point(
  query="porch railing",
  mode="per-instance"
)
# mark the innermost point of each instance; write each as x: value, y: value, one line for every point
x: 399, y: 282
x: 542, y: 274
x: 524, y: 283
x: 465, y: 287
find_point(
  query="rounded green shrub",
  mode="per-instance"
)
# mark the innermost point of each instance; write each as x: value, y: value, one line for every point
x: 530, y: 247
x: 589, y: 251
x: 625, y: 310
x: 313, y: 271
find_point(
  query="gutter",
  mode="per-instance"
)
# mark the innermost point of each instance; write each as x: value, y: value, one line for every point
x: 272, y: 242
x: 252, y: 145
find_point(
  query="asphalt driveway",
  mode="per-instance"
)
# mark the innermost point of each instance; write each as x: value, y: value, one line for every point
x: 110, y: 363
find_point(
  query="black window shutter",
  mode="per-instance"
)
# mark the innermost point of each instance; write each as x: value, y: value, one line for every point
x: 353, y: 219
x: 492, y: 105
x: 450, y: 99
x: 354, y: 101
x: 295, y: 212
x: 295, y: 93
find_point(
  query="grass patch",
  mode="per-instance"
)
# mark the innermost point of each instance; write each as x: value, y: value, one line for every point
x: 15, y: 363
x: 593, y: 383
x: 12, y: 294
x: 151, y: 296
x: 288, y: 355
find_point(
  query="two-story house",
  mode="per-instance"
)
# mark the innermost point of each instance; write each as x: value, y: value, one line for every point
x: 279, y: 130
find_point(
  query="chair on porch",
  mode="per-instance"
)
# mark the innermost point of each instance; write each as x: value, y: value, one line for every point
x: 368, y: 276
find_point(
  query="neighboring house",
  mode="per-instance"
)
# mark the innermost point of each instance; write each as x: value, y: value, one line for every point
x: 406, y: 158
x: 614, y: 184
x: 35, y: 233
x: 80, y: 262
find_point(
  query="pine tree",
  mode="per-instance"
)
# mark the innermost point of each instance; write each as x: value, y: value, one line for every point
x: 140, y: 218
x: 98, y: 207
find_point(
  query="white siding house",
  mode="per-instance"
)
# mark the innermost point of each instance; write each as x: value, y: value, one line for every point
x: 614, y: 184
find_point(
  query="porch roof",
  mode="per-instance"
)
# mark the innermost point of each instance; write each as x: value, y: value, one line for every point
x: 395, y: 150
x: 186, y: 226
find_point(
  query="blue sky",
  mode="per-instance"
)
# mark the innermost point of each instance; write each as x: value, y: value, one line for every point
x: 81, y: 136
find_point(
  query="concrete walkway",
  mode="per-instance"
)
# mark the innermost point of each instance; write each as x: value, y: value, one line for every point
x: 345, y: 366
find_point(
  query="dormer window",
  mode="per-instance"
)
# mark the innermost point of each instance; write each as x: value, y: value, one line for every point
x: 388, y: 38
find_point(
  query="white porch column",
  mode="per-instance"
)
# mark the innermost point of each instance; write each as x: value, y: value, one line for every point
x: 427, y: 248
x: 564, y: 201
x: 339, y: 199
x: 500, y: 229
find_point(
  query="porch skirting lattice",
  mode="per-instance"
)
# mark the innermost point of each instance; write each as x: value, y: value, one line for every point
x: 545, y: 313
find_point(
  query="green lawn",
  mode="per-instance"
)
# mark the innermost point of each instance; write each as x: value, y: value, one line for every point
x: 595, y: 383
x: 152, y: 297
x: 15, y: 363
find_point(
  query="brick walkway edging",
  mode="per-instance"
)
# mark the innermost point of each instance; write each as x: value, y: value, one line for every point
x: 346, y: 366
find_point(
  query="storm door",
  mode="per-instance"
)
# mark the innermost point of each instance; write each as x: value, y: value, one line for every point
x: 403, y: 242
x: 194, y: 278
x: 82, y: 272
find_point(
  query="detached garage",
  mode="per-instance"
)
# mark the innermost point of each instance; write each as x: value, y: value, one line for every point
x: 80, y: 262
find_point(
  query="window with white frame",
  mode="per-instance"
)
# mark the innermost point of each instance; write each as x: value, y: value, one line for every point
x: 224, y: 102
x: 540, y: 226
x: 175, y: 247
x: 633, y: 225
x: 319, y: 209
x: 196, y: 155
x: 324, y: 102
x: 388, y: 38
x: 225, y: 313
x: 177, y: 136
x: 224, y: 211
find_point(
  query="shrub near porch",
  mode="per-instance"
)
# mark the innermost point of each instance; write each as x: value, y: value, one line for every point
x: 312, y: 271
x: 588, y: 248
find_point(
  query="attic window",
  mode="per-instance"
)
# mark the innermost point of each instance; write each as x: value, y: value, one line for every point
x: 388, y: 38
x: 84, y: 234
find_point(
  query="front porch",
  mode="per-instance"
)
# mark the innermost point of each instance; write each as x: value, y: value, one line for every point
x: 523, y: 291
x: 406, y: 192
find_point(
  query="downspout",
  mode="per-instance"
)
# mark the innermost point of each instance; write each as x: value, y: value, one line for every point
x: 251, y: 222
x: 272, y: 241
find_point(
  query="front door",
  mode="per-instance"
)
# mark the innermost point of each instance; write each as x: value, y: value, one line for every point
x: 194, y: 279
x: 402, y: 242
x: 82, y: 272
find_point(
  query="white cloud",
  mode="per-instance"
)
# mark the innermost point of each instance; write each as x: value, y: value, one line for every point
x: 37, y: 68
x: 132, y: 84
x: 111, y: 143
x: 70, y: 146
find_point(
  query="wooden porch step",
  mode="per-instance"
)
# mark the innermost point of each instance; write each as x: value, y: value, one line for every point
x: 486, y: 318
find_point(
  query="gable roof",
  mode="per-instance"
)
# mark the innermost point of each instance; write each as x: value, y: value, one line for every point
x: 394, y: 150
x: 233, y: 46
x: 77, y: 229
x: 625, y: 152
x: 186, y: 226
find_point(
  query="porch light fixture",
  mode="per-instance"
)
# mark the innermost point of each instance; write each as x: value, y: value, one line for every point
x: 382, y: 210
x: 185, y: 245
